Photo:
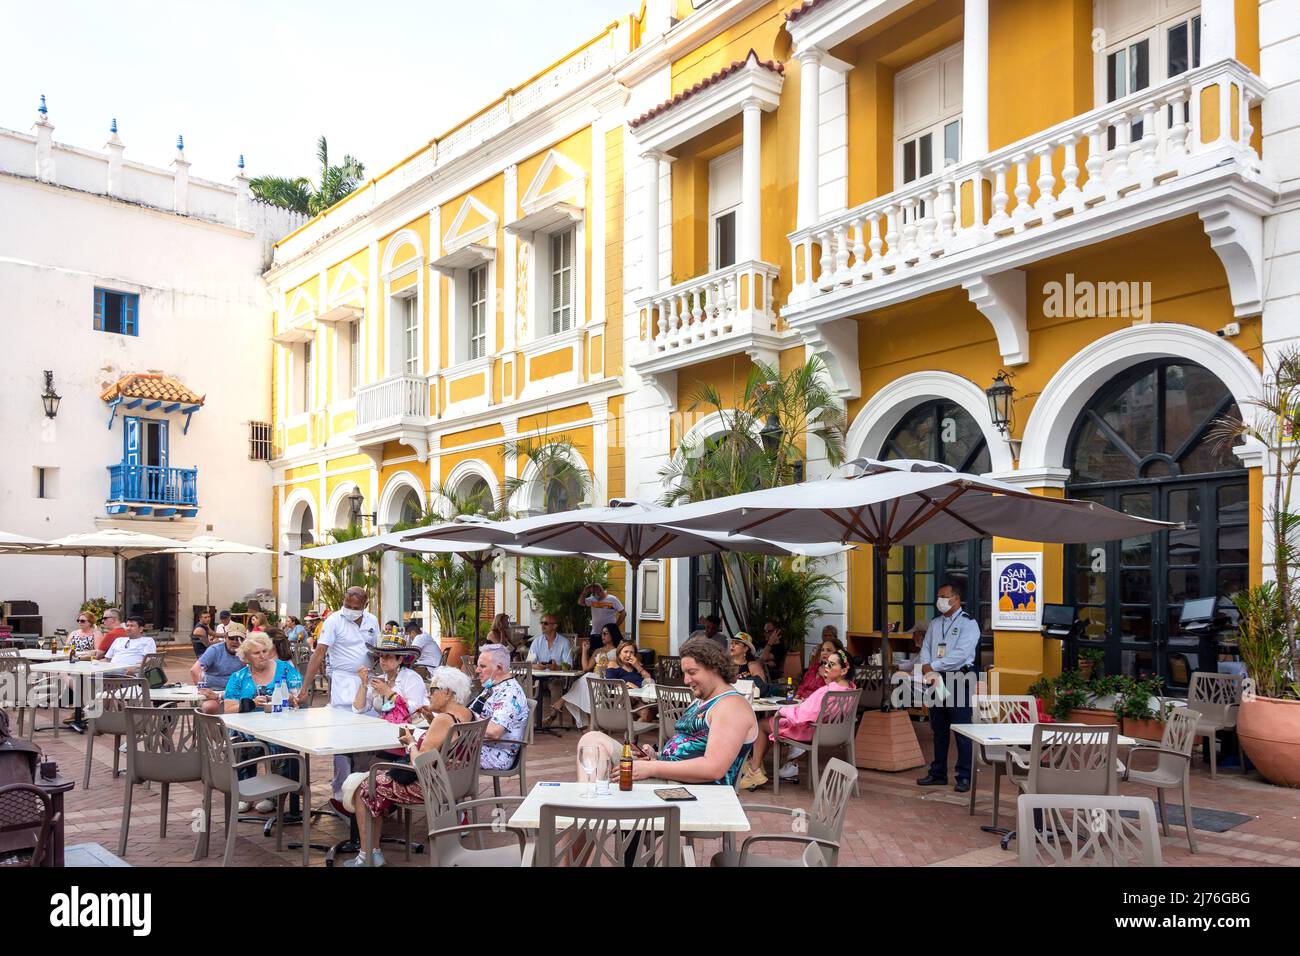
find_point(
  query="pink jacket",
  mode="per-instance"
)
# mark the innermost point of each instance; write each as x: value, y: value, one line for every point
x: 797, y: 720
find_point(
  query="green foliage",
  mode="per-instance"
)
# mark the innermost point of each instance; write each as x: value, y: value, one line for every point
x: 1069, y: 692
x: 552, y: 472
x: 334, y: 576
x: 761, y: 445
x: 1095, y: 658
x: 238, y: 607
x: 298, y: 194
x: 554, y: 585
x: 1262, y: 639
x: 96, y: 605
x: 1107, y: 685
x: 1134, y: 699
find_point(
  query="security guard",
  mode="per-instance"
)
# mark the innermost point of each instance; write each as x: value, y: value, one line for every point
x: 951, y: 645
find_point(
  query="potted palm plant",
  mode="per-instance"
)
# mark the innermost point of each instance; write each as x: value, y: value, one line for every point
x: 449, y: 583
x: 1268, y: 723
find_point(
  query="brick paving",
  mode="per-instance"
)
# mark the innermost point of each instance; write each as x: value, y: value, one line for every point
x: 892, y: 823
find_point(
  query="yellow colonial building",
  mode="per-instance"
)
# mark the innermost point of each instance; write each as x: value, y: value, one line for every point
x: 1067, y: 199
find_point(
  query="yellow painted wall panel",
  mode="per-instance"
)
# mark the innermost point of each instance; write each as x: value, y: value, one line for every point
x: 460, y: 389
x: 302, y: 472
x: 473, y: 436
x: 405, y: 282
x: 343, y: 422
x: 491, y: 456
x: 554, y: 418
x: 348, y: 463
x: 297, y: 435
x: 550, y: 364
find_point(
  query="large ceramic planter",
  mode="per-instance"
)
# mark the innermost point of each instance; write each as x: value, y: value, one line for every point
x: 1086, y: 715
x: 1146, y: 729
x: 452, y: 650
x: 1269, y: 732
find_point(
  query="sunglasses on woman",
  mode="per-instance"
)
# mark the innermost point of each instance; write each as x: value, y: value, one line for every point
x: 82, y: 620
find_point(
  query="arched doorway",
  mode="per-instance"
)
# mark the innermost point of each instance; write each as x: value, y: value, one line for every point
x: 1143, y: 444
x: 306, y: 586
x: 411, y: 594
x: 906, y: 582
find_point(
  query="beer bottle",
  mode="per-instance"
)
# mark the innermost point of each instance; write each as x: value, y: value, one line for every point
x: 625, y: 768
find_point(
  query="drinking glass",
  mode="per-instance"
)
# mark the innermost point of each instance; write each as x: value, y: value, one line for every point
x: 602, y: 776
x: 588, y: 759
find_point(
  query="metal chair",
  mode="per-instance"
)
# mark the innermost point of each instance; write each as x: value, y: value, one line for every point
x: 117, y: 694
x: 823, y: 823
x: 870, y: 679
x: 668, y: 670
x: 220, y: 771
x: 516, y: 769
x: 1087, y: 830
x: 1173, y: 766
x: 989, y: 709
x: 15, y: 687
x: 26, y: 808
x: 835, y: 727
x: 1216, y: 698
x: 612, y: 711
x: 162, y: 746
x: 616, y: 837
x: 444, y: 814
x: 673, y: 702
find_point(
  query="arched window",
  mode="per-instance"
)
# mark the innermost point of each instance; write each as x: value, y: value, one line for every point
x: 906, y: 583
x: 306, y: 586
x: 1144, y: 444
x: 562, y: 494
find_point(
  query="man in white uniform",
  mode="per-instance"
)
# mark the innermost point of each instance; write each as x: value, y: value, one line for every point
x: 346, y: 635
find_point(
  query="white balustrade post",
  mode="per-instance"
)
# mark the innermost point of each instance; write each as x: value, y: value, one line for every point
x: 999, y: 220
x: 1046, y: 179
x: 1095, y: 187
x: 1071, y: 194
x: 1022, y: 191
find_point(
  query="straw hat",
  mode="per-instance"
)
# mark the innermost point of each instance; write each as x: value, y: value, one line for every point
x: 745, y: 639
x: 390, y: 644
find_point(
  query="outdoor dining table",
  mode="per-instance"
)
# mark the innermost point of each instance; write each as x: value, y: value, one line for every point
x: 1009, y: 735
x: 716, y: 810
x: 319, y: 732
x: 41, y: 654
x: 547, y: 673
x: 179, y: 694
x: 80, y: 668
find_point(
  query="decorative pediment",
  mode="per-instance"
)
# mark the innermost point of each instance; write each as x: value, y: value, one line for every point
x: 347, y: 295
x: 558, y: 180
x: 404, y: 252
x: 474, y: 222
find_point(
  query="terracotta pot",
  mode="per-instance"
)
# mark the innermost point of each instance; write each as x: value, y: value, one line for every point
x: 793, y: 667
x: 1086, y: 715
x: 452, y: 649
x: 1269, y: 732
x: 1146, y: 729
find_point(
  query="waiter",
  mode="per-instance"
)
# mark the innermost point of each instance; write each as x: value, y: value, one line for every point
x: 346, y: 635
x: 948, y: 653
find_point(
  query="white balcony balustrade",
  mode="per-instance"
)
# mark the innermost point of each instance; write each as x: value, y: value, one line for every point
x: 731, y: 302
x: 1128, y: 148
x: 393, y: 399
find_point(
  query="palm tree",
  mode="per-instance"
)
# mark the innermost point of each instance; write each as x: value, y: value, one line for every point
x: 334, y: 576
x: 555, y: 473
x: 299, y: 195
x: 759, y: 447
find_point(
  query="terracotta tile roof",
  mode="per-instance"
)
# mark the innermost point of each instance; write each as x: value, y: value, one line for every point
x: 806, y: 7
x: 705, y: 83
x: 154, y: 387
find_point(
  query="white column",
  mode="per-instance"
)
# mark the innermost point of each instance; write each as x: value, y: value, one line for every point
x: 240, y: 182
x: 975, y: 81
x: 1218, y: 30
x: 509, y: 261
x: 44, y: 144
x: 650, y: 281
x: 115, y: 150
x: 809, y: 125
x: 750, y: 172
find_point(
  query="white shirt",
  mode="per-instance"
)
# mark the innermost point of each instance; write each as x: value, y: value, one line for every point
x: 604, y: 610
x: 131, y: 650
x: 347, y: 652
x: 430, y: 652
x: 407, y: 683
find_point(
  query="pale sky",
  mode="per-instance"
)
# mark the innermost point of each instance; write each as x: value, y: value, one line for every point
x: 266, y: 79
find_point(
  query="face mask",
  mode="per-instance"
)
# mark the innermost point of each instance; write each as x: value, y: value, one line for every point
x: 351, y: 615
x: 944, y: 605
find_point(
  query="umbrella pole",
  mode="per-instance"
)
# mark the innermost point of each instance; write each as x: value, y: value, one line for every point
x: 478, y: 587
x: 632, y: 616
x: 207, y: 584
x: 726, y: 592
x: 84, y: 596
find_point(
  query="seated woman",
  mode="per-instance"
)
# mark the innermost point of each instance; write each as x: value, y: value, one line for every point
x: 796, y: 721
x: 594, y: 664
x: 627, y: 666
x: 395, y: 687
x: 448, y: 694
x: 812, y: 678
x: 747, y: 664
x: 251, y: 687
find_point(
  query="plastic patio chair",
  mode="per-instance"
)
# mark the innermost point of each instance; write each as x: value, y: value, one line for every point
x: 1173, y: 766
x: 116, y: 694
x: 163, y: 747
x: 1087, y: 830
x: 445, y: 814
x: 837, y: 722
x: 1216, y: 698
x: 673, y: 701
x: 517, y: 768
x: 1065, y: 759
x: 612, y: 711
x: 990, y: 709
x: 616, y: 837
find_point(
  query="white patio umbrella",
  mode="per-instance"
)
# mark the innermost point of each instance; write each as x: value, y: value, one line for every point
x: 20, y: 542
x: 910, y: 502
x: 112, y: 543
x: 206, y: 546
x: 636, y: 531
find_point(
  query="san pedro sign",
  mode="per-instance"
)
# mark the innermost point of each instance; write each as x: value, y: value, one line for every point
x: 1017, y: 591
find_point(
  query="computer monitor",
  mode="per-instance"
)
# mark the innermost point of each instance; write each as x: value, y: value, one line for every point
x: 1058, y: 615
x: 1200, y: 610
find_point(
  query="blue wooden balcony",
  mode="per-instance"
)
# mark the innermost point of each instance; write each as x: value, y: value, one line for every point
x: 153, y: 490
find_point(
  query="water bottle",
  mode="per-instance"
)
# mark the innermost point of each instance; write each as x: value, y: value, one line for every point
x: 277, y: 697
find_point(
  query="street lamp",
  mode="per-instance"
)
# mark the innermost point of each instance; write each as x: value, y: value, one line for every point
x: 50, y: 398
x: 355, y: 501
x: 999, y: 395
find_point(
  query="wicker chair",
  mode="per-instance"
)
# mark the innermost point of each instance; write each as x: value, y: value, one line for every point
x: 835, y: 727
x: 1173, y: 766
x: 824, y: 823
x: 1087, y: 830
x: 118, y: 693
x: 26, y: 808
x: 162, y: 746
